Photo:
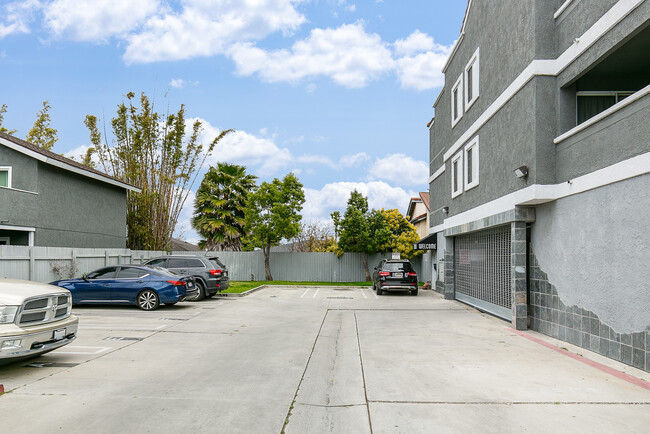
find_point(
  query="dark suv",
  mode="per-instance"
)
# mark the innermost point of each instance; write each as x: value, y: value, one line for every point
x: 395, y: 275
x: 210, y: 273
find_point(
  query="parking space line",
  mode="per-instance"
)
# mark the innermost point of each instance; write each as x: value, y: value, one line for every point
x: 314, y: 296
x: 99, y: 350
x: 363, y: 293
x: 374, y: 293
x: 107, y: 326
x: 306, y: 291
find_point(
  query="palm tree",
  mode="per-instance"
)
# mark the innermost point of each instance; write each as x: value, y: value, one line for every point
x: 219, y: 209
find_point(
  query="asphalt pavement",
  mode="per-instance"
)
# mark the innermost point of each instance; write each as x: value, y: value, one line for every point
x: 318, y: 360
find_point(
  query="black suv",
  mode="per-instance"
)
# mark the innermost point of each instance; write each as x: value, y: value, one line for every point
x: 210, y: 273
x: 395, y: 275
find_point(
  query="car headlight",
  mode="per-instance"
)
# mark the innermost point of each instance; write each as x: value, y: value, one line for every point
x: 7, y: 314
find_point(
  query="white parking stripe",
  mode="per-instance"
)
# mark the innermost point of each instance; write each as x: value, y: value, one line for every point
x: 98, y: 350
x: 314, y: 296
x: 363, y: 293
x: 374, y: 293
x: 112, y: 327
x: 306, y: 291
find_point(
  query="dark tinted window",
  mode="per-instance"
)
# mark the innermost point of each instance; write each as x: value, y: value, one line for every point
x: 103, y: 273
x: 130, y: 272
x: 160, y: 262
x: 195, y: 263
x: 176, y: 263
x: 216, y: 263
x: 398, y: 266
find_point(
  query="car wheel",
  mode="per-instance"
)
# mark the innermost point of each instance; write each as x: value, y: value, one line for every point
x: 379, y: 291
x: 414, y: 292
x: 148, y: 300
x: 200, y: 293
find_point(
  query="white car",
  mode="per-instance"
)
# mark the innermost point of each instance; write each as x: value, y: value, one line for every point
x: 34, y: 318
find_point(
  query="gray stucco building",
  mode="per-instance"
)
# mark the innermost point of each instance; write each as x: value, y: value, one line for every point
x: 49, y: 200
x: 540, y: 170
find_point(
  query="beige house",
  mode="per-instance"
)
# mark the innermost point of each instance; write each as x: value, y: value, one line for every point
x: 418, y: 213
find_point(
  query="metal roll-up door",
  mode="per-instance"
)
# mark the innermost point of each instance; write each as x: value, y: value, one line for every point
x: 482, y: 269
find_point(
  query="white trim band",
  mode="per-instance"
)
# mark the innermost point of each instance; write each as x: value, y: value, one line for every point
x: 437, y: 173
x: 562, y: 9
x: 538, y: 194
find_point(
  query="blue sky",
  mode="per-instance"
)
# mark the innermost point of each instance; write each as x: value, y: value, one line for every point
x: 337, y: 91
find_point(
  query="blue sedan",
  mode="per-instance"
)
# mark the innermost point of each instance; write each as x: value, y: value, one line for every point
x: 145, y: 287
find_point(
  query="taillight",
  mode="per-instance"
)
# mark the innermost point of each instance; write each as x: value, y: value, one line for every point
x: 411, y: 274
x: 215, y: 272
x: 384, y: 273
x: 176, y: 282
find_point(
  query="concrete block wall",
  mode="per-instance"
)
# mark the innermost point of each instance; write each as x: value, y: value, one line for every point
x: 550, y: 316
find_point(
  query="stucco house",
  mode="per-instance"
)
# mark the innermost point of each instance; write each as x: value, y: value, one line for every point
x: 539, y: 170
x: 49, y: 200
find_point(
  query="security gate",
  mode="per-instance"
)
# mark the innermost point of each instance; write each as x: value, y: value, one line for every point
x: 482, y: 269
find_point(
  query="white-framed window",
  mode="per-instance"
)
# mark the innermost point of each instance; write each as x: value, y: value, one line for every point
x: 590, y: 103
x: 457, y: 101
x: 471, y: 161
x: 457, y: 174
x: 5, y: 176
x: 472, y: 80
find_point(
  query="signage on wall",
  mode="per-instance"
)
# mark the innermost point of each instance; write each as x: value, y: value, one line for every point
x: 429, y: 242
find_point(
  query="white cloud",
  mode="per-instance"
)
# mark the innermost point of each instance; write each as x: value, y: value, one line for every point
x: 353, y: 160
x: 177, y: 83
x: 205, y: 28
x: 97, y: 20
x: 320, y: 203
x: 401, y: 169
x: 17, y: 16
x: 421, y: 61
x: 414, y: 43
x: 348, y: 55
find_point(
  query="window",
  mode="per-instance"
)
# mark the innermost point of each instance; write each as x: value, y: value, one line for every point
x: 457, y: 174
x: 471, y: 164
x: 131, y: 273
x: 471, y: 80
x: 457, y: 101
x: 160, y: 262
x: 176, y: 263
x: 5, y: 176
x: 103, y: 273
x: 195, y: 263
x: 589, y: 104
x: 4, y: 241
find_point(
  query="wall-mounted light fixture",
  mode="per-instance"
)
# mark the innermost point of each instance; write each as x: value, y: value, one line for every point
x: 521, y: 172
x: 445, y: 209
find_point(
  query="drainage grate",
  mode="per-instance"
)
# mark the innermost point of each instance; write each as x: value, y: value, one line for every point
x: 121, y: 338
x: 50, y: 365
x: 174, y: 319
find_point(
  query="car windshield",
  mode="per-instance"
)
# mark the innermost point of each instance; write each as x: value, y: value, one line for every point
x: 397, y: 266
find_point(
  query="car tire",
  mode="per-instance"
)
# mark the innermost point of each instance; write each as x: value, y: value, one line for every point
x: 200, y: 292
x: 414, y: 292
x: 148, y: 300
x: 379, y: 291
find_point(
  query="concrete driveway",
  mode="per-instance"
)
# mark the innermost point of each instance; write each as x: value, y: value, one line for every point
x: 314, y: 360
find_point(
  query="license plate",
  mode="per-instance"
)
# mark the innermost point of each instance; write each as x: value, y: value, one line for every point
x: 58, y: 334
x: 190, y: 284
x: 398, y: 274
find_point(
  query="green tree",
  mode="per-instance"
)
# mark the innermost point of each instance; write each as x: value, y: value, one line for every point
x: 42, y: 134
x: 220, y: 207
x: 355, y: 227
x: 273, y: 214
x: 151, y: 151
x: 3, y: 110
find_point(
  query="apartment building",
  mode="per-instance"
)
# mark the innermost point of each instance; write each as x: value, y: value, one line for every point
x: 539, y: 170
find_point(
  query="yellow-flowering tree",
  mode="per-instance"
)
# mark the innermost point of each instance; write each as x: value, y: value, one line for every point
x: 402, y: 234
